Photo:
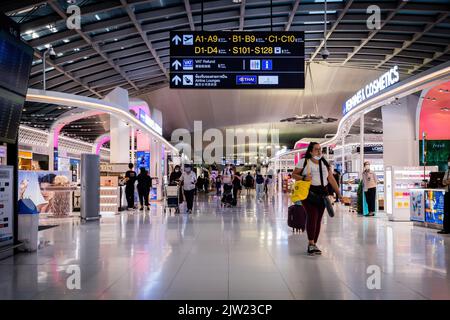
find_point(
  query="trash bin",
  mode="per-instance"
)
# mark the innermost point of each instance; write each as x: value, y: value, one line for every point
x: 28, y: 225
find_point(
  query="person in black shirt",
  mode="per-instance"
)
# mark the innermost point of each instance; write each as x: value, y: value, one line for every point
x: 144, y: 185
x: 130, y: 179
x: 175, y: 175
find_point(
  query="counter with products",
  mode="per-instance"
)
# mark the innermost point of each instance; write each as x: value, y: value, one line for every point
x: 399, y: 182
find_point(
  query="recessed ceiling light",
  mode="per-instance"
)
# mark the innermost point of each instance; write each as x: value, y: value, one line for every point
x: 446, y: 109
x: 66, y: 40
x: 76, y: 49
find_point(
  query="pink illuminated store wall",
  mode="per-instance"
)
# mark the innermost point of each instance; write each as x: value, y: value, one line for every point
x: 435, y: 113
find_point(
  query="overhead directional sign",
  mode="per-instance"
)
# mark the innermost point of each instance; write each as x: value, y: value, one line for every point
x: 237, y: 60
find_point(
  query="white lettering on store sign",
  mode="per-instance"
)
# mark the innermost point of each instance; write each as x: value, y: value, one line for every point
x: 386, y: 80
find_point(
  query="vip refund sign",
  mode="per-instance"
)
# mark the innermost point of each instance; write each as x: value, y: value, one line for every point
x: 236, y: 60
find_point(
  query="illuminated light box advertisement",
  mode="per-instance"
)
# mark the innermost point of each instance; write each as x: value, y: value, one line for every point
x: 143, y: 160
x: 417, y: 205
x: 434, y: 206
x: 237, y: 60
x: 32, y: 186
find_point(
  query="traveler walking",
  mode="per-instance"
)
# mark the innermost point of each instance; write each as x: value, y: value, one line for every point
x: 248, y: 182
x: 270, y: 182
x: 175, y: 176
x: 236, y: 186
x: 259, y: 186
x: 144, y: 185
x: 130, y: 179
x: 188, y: 180
x: 218, y: 185
x: 313, y: 167
x: 446, y: 183
x: 370, y: 187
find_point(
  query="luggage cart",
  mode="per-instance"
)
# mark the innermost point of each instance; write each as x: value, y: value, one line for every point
x: 172, y: 198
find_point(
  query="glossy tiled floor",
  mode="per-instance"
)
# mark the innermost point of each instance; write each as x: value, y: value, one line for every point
x: 246, y: 252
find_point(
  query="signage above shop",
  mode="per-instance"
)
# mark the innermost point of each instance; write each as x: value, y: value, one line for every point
x: 237, y: 60
x: 386, y: 80
x: 145, y: 118
x: 377, y: 149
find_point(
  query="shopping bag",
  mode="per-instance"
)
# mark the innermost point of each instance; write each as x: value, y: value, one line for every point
x: 300, y: 190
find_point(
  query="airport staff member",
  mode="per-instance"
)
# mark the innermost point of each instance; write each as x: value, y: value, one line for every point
x: 446, y: 183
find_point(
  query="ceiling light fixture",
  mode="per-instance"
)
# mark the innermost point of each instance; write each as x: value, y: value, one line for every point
x: 446, y: 109
x: 97, y: 17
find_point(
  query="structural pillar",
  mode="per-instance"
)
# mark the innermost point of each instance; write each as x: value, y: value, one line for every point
x: 361, y: 144
x: 120, y: 131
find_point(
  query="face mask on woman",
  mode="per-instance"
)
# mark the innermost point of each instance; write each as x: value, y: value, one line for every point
x: 366, y: 167
x: 187, y: 170
x: 317, y: 158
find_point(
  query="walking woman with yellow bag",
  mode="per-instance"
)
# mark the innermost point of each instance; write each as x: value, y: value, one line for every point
x: 315, y: 168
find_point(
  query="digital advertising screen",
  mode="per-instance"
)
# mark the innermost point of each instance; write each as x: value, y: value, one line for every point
x: 434, y: 206
x: 237, y: 60
x: 417, y: 205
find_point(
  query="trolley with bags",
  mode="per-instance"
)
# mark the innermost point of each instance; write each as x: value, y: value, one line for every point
x: 172, y: 198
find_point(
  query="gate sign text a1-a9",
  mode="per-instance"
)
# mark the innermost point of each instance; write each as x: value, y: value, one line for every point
x: 386, y: 80
x: 237, y: 60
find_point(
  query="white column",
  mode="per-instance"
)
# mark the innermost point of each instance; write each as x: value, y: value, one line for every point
x: 400, y: 147
x: 361, y: 144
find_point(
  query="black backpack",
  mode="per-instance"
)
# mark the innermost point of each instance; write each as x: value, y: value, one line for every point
x: 259, y: 179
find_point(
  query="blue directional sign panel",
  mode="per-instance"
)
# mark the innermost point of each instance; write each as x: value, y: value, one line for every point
x: 237, y: 60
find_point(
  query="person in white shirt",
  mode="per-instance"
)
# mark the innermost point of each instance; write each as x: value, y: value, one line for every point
x: 446, y: 183
x: 188, y: 180
x: 316, y: 169
x: 370, y: 182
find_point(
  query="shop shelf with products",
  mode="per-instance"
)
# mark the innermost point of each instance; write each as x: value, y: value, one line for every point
x: 349, y: 187
x: 109, y: 195
x: 399, y: 181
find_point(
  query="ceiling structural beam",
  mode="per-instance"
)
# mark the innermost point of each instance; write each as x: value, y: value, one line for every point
x: 95, y: 46
x: 416, y: 37
x: 372, y: 34
x: 333, y: 27
x: 187, y: 6
x: 143, y: 34
x: 426, y: 61
x: 67, y: 74
x: 292, y: 15
x: 242, y: 16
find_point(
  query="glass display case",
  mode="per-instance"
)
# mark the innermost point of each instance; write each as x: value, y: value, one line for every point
x: 398, y: 184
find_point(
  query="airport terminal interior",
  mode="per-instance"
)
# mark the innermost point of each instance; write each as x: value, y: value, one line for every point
x: 225, y: 150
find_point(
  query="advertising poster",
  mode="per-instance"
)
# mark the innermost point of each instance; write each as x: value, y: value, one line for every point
x: 417, y: 205
x: 143, y: 160
x: 32, y: 183
x: 434, y: 206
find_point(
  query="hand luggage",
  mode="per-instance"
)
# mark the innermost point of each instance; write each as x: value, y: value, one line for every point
x: 297, y: 218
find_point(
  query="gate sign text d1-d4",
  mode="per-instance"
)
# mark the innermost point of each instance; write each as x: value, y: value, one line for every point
x: 237, y: 60
x: 387, y: 79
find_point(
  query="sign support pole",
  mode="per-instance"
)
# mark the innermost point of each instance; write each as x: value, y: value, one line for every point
x: 361, y: 144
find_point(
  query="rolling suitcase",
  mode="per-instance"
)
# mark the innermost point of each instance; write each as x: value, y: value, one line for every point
x: 297, y: 218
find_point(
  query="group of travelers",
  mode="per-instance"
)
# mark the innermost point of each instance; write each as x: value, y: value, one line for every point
x: 144, y: 184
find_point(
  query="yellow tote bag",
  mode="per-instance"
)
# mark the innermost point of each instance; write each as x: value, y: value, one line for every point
x: 300, y: 190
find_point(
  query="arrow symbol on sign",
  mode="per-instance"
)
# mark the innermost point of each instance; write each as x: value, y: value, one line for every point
x: 176, y: 79
x: 176, y: 64
x: 176, y: 39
